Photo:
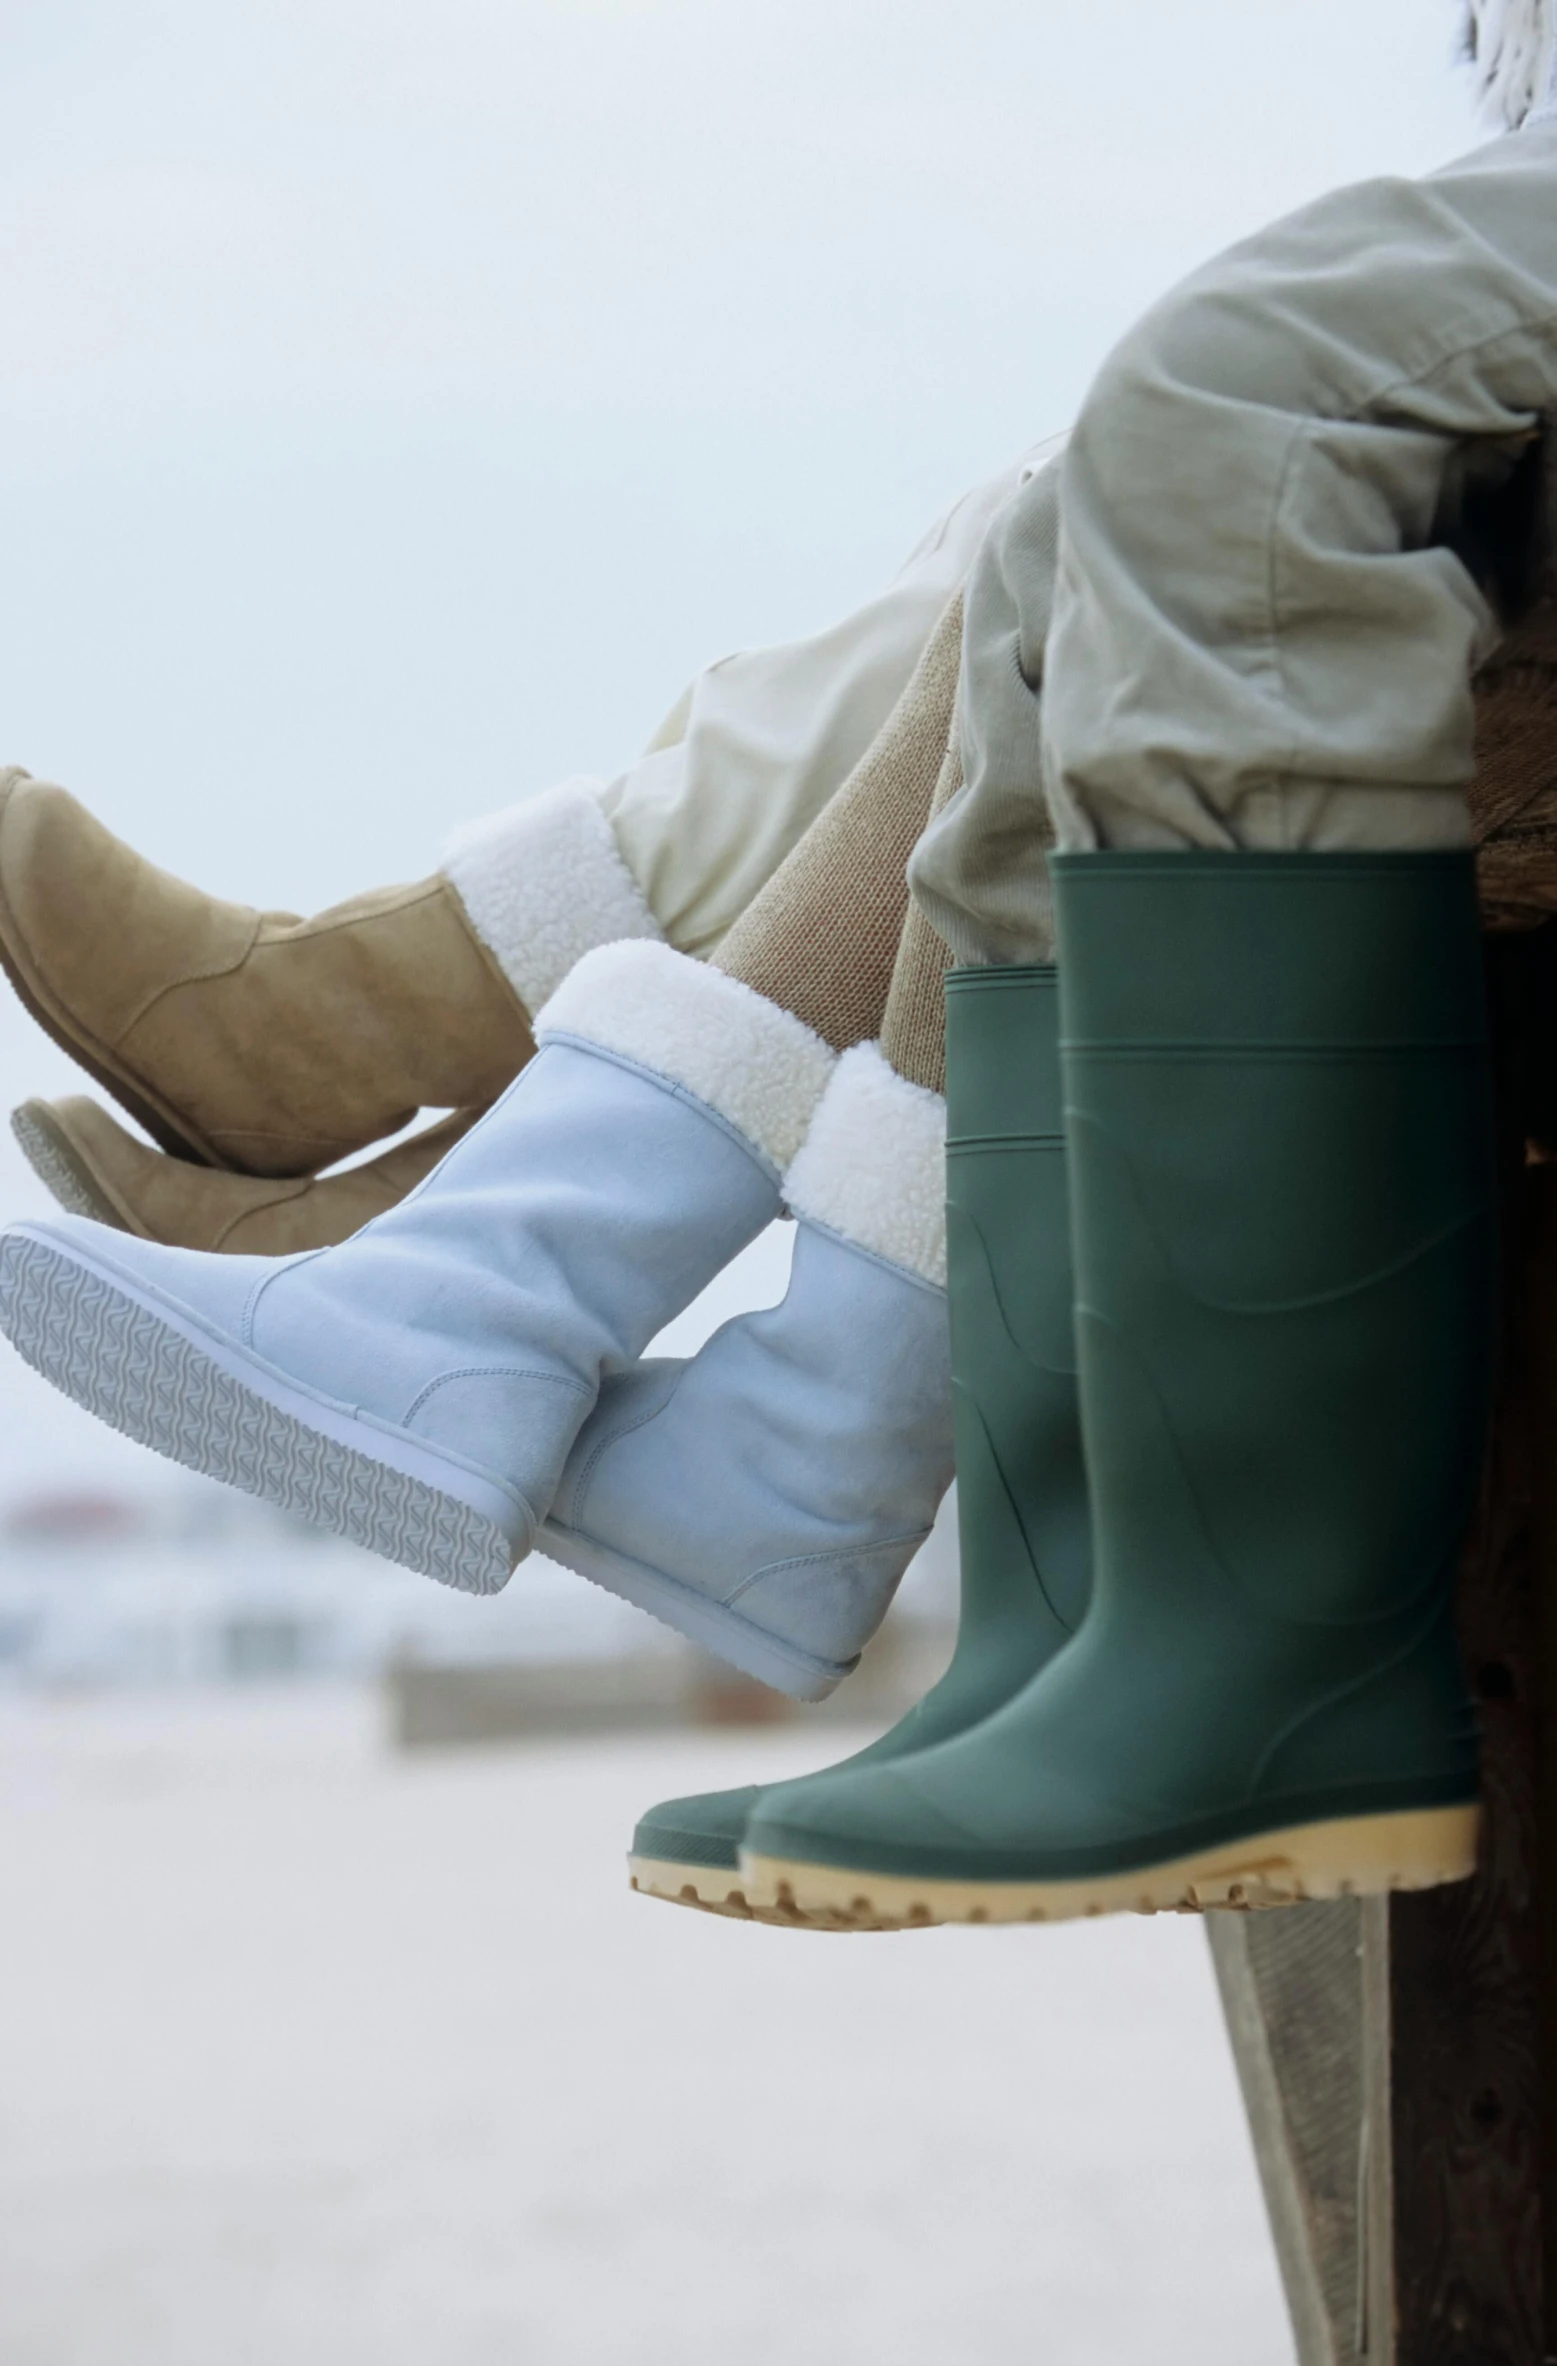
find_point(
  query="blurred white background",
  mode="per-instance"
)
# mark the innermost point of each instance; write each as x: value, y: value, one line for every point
x: 401, y: 399
x: 398, y: 402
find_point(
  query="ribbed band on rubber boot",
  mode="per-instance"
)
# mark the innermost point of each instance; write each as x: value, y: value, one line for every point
x: 1278, y: 1120
x: 1021, y: 1486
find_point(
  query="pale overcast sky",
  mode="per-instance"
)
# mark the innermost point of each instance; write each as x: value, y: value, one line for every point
x: 399, y: 399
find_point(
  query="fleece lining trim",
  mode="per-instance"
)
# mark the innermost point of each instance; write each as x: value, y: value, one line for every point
x: 543, y: 884
x: 759, y: 1066
x: 873, y: 1167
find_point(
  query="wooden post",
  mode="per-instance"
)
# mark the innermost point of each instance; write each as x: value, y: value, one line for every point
x: 1399, y: 2057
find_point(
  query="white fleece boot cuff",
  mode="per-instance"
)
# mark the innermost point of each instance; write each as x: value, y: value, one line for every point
x: 873, y: 1166
x: 543, y: 884
x: 760, y: 1067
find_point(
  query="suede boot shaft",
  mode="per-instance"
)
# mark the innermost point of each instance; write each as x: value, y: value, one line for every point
x: 254, y: 1041
x: 766, y: 1494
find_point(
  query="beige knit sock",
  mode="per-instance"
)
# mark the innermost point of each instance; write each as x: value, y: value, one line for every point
x: 824, y: 937
x: 913, y: 1029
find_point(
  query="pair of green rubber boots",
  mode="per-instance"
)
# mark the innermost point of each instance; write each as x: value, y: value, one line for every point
x: 1211, y: 1659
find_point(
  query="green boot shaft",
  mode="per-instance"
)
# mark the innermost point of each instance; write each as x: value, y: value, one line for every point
x: 1279, y: 1133
x: 1279, y: 1111
x: 1023, y: 1526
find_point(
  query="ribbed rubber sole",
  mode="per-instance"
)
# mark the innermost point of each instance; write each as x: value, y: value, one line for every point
x: 1355, y: 1856
x: 702, y: 1886
x: 138, y: 1370
x: 49, y: 1152
x: 711, y: 1891
x: 722, y: 1631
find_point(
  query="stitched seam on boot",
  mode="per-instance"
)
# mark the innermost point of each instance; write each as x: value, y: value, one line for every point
x: 578, y: 1492
x: 192, y: 977
x: 579, y: 1388
x: 281, y: 1197
x: 899, y: 1273
x: 677, y: 1092
x: 845, y: 1552
x: 251, y: 1303
x: 327, y: 924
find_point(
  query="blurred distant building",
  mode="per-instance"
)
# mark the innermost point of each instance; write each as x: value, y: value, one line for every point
x: 196, y: 1584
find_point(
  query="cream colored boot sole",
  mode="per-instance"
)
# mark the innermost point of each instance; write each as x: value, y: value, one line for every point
x: 1355, y: 1856
x: 714, y: 1892
x: 252, y: 1041
x: 94, y: 1168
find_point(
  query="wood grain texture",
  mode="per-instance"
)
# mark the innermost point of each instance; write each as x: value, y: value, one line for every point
x: 1291, y: 1986
x: 1430, y: 2061
x: 1464, y: 2135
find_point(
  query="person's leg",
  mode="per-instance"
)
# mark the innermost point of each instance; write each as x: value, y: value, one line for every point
x: 753, y: 752
x: 419, y: 1387
x: 1320, y: 449
x: 991, y: 1035
x: 1271, y: 587
x: 766, y: 1494
x: 250, y: 1041
x: 820, y: 940
x: 265, y: 1044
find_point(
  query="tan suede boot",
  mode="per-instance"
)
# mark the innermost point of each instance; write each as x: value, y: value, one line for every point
x: 94, y: 1168
x: 252, y: 1041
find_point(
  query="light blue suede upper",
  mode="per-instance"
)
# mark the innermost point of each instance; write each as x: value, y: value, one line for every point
x: 587, y: 1208
x: 791, y: 1467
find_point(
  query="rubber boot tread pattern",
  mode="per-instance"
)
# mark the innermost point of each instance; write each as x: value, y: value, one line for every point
x: 710, y: 1891
x: 1352, y: 1857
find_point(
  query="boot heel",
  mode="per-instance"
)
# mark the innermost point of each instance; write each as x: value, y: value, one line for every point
x: 1355, y: 1856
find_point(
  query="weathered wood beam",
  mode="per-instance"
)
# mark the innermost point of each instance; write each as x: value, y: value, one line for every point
x: 1399, y: 2058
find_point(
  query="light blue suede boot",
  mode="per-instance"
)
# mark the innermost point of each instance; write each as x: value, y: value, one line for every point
x: 766, y: 1495
x: 418, y: 1388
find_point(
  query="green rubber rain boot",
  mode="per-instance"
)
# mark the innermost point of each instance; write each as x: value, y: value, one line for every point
x: 1021, y: 1490
x: 1277, y: 1109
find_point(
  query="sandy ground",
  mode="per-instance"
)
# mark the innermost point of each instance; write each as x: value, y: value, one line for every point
x: 314, y: 2057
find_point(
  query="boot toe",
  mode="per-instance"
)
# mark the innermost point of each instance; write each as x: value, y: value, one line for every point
x: 704, y: 1829
x: 866, y: 1817
x: 215, y: 1291
x: 151, y: 1341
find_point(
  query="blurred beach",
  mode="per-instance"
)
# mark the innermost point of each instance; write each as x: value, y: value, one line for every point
x: 316, y: 2054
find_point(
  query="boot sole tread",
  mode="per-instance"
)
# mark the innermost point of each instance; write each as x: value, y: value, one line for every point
x: 714, y: 1890
x: 59, y: 1167
x: 1354, y: 1856
x: 141, y: 1375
